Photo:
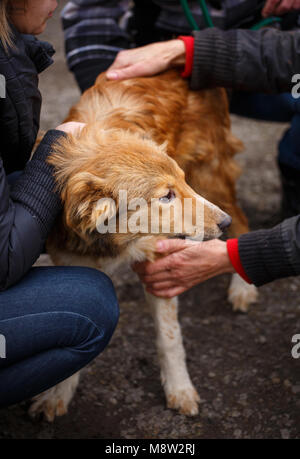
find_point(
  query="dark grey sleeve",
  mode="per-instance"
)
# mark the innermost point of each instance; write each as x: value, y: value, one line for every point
x: 27, y: 213
x: 271, y: 254
x: 263, y: 60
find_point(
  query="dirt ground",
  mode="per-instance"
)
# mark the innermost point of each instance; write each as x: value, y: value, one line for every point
x: 241, y: 364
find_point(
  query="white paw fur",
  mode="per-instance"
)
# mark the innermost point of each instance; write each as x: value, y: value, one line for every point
x: 55, y: 401
x: 241, y: 294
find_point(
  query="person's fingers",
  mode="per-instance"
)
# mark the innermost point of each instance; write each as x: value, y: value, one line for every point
x: 150, y: 268
x: 130, y: 64
x: 164, y: 265
x: 165, y: 285
x: 123, y: 59
x: 284, y: 6
x: 161, y: 265
x: 132, y: 71
x: 171, y: 245
x: 269, y: 7
x: 161, y: 276
x: 112, y: 75
x: 71, y: 127
x: 167, y: 293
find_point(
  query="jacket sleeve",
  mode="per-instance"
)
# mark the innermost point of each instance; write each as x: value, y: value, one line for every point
x: 27, y: 213
x: 271, y: 254
x: 93, y: 37
x: 263, y: 60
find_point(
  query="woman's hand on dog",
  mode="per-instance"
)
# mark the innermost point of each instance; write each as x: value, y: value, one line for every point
x: 71, y: 127
x: 185, y: 264
x: 147, y: 60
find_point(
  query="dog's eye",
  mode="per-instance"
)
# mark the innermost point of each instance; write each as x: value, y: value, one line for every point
x: 169, y: 197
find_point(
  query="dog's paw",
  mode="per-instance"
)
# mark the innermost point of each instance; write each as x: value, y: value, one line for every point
x: 184, y: 400
x: 48, y: 408
x: 55, y: 401
x: 241, y: 294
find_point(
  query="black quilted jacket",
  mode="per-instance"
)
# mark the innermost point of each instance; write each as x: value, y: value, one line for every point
x: 28, y: 210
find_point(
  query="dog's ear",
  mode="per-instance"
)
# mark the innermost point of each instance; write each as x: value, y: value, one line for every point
x: 86, y: 205
x: 85, y: 182
x: 97, y: 210
x: 104, y: 215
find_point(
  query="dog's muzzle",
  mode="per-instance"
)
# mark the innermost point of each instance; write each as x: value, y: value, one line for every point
x: 225, y: 223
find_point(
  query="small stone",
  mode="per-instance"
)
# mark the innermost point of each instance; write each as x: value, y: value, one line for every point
x: 211, y: 374
x: 296, y: 389
x: 285, y: 434
x: 227, y: 379
x: 262, y: 339
x: 287, y: 383
x: 237, y: 433
x: 217, y: 404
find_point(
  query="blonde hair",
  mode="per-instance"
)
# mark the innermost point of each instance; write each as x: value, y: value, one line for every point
x: 5, y: 31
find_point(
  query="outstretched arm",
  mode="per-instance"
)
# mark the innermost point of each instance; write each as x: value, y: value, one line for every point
x: 259, y: 257
x: 263, y: 60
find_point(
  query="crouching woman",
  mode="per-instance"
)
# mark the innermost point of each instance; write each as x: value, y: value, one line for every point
x: 53, y: 320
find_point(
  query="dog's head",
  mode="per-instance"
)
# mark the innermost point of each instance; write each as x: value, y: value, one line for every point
x: 117, y: 181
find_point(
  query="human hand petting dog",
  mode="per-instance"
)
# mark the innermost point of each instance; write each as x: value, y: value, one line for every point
x: 70, y: 127
x: 186, y: 263
x: 152, y: 59
x: 279, y: 7
x: 147, y: 60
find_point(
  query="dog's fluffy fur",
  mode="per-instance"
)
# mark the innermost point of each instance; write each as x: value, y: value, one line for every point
x: 147, y: 136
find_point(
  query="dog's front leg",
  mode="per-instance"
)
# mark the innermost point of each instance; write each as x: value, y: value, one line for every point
x: 179, y: 390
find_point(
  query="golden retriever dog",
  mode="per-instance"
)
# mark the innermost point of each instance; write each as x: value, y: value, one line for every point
x: 154, y: 140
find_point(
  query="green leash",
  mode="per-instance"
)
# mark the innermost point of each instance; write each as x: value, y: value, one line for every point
x: 265, y: 22
x: 208, y: 20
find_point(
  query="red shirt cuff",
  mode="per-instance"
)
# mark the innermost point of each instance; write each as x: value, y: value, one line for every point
x: 234, y: 256
x: 189, y: 55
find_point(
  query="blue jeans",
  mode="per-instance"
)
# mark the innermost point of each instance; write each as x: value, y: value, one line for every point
x: 282, y: 108
x: 55, y: 321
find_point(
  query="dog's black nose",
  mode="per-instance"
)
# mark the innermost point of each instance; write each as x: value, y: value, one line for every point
x: 225, y: 223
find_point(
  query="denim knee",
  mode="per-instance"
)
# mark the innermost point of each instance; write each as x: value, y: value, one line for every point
x: 77, y: 291
x: 90, y: 296
x: 96, y: 299
x: 102, y: 306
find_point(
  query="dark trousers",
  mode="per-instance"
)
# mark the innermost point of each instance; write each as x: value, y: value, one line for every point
x: 55, y: 321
